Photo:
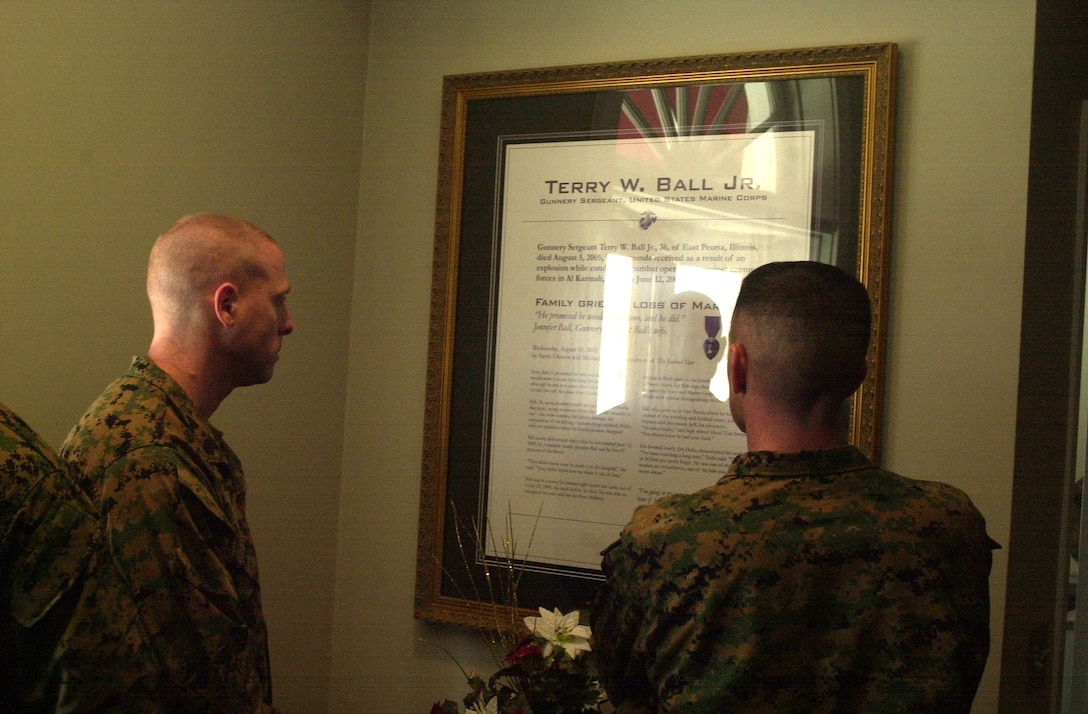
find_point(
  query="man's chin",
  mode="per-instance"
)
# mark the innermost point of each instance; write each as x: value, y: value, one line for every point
x: 262, y: 377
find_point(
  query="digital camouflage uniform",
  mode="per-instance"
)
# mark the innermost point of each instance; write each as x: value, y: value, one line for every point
x: 806, y: 582
x: 66, y: 623
x: 173, y: 496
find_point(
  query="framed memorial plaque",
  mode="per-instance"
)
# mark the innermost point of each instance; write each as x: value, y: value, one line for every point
x: 593, y: 226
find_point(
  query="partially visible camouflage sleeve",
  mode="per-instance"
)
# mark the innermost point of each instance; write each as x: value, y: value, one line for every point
x: 46, y: 538
x: 54, y: 580
x: 46, y: 523
x: 810, y: 582
x: 172, y: 494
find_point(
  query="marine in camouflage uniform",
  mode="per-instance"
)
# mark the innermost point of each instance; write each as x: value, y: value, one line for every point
x: 807, y: 579
x: 805, y: 582
x: 69, y: 638
x: 166, y: 486
x: 173, y: 495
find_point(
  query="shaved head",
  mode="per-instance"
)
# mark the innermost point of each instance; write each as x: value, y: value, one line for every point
x: 195, y: 255
x: 218, y: 290
x: 806, y: 329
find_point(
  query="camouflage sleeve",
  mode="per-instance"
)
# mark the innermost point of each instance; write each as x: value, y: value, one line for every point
x: 48, y: 543
x: 57, y: 534
x: 617, y: 618
x: 969, y: 558
x: 159, y: 533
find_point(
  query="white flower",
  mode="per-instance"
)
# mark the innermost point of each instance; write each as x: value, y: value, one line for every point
x: 559, y: 630
x: 491, y: 707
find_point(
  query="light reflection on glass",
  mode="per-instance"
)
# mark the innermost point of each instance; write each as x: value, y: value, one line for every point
x: 760, y: 103
x: 760, y: 162
x: 615, y: 328
x: 721, y: 287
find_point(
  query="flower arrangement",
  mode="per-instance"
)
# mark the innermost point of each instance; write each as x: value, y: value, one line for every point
x: 545, y: 673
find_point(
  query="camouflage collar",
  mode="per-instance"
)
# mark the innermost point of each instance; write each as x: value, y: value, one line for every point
x: 799, y: 463
x: 145, y: 370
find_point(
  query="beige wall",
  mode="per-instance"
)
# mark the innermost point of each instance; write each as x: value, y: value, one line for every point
x: 956, y: 264
x: 117, y: 117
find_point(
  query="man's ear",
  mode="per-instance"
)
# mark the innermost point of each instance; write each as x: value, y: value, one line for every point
x: 857, y: 374
x: 737, y: 368
x: 226, y: 299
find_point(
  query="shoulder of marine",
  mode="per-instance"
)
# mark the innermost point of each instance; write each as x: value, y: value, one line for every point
x: 762, y: 486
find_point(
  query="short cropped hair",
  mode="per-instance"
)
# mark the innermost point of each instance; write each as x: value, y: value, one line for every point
x: 806, y: 327
x: 199, y: 252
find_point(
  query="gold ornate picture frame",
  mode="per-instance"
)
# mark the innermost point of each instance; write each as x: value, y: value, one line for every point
x: 560, y: 189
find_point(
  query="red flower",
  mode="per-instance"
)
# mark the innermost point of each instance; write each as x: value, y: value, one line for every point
x: 526, y: 651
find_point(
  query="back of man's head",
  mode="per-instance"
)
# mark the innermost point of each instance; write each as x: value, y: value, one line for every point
x: 805, y: 326
x: 196, y: 254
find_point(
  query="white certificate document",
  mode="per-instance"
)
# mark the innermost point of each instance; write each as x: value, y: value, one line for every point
x: 619, y: 263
